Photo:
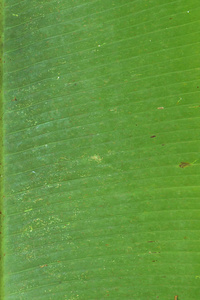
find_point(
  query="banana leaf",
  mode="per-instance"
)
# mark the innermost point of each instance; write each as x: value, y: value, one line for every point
x: 100, y: 173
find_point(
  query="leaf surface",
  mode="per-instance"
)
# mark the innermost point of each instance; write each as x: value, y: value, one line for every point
x: 101, y: 149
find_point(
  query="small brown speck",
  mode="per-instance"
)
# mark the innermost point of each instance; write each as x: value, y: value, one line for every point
x: 184, y: 164
x: 153, y: 136
x: 43, y: 266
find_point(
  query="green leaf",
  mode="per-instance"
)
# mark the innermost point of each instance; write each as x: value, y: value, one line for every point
x: 101, y: 150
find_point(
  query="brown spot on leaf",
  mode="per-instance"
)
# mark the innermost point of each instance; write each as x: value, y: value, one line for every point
x: 43, y: 266
x: 184, y: 164
x: 153, y: 136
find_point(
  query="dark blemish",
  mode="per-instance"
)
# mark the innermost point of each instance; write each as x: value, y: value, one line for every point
x: 170, y: 18
x: 184, y: 164
x: 185, y: 237
x: 75, y: 84
x: 163, y: 144
x: 15, y: 99
x: 135, y: 124
x: 154, y: 260
x: 153, y: 136
x: 151, y: 241
x: 197, y: 86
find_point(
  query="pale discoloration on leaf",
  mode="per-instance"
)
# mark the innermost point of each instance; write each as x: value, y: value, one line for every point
x: 96, y: 158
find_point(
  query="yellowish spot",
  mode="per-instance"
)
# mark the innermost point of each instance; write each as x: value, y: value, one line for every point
x: 180, y: 99
x: 28, y: 210
x: 96, y: 158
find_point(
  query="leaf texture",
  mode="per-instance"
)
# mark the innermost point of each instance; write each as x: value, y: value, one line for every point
x: 101, y: 149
